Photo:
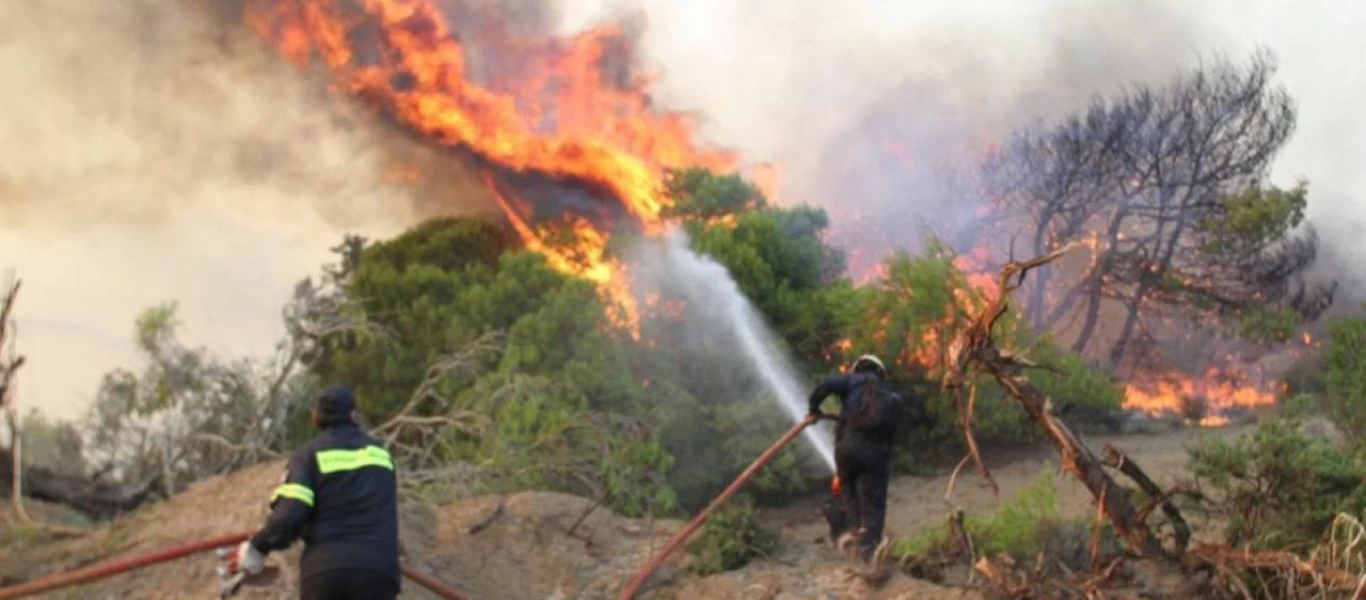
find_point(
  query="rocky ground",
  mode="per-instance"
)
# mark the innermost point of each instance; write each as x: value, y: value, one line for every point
x: 528, y: 551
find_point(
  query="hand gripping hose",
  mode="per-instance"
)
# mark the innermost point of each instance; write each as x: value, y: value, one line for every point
x: 116, y: 566
x: 683, y: 534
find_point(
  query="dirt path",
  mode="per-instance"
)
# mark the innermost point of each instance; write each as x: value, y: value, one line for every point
x: 917, y: 502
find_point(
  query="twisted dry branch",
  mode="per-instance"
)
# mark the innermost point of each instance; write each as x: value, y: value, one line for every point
x: 973, y: 350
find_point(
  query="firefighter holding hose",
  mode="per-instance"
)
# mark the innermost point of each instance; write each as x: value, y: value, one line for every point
x: 340, y: 495
x: 869, y: 418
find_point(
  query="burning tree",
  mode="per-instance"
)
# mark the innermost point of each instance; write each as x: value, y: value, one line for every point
x: 1172, y: 181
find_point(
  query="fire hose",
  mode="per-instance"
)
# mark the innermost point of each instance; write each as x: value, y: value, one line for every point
x: 116, y: 566
x: 683, y: 534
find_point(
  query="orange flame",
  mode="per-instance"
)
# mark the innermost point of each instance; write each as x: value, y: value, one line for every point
x: 1217, y: 390
x: 566, y: 121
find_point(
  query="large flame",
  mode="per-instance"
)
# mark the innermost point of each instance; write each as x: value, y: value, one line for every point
x: 565, y: 119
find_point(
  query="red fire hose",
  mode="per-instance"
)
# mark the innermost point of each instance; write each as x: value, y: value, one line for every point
x: 114, y: 567
x: 697, y: 521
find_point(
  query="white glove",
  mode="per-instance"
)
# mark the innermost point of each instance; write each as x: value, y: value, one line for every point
x: 249, y: 559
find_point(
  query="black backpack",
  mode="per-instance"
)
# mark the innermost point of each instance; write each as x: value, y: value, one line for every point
x: 878, y: 412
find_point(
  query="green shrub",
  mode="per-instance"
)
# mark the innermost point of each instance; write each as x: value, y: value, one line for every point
x: 1084, y: 395
x: 1277, y: 486
x: 1016, y: 527
x: 1345, y: 377
x: 730, y: 538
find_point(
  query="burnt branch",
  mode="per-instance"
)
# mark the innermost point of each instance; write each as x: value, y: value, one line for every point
x: 973, y: 349
x: 1121, y: 462
x: 966, y: 421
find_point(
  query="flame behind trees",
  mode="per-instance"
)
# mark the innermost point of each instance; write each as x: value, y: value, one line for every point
x: 1173, y: 183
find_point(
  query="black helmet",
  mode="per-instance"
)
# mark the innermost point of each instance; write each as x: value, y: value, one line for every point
x: 334, y: 406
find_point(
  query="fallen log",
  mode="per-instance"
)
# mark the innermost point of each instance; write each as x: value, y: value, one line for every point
x: 94, y: 499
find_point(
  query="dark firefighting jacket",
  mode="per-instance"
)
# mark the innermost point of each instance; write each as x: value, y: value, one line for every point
x: 340, y: 496
x: 849, y: 389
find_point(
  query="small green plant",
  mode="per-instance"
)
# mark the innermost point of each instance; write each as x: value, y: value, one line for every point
x: 1015, y: 527
x: 731, y: 537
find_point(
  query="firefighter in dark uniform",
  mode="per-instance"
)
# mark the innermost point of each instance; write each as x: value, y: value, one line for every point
x: 340, y: 495
x: 869, y: 418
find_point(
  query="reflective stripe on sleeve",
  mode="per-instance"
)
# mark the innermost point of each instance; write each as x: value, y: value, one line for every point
x: 293, y: 491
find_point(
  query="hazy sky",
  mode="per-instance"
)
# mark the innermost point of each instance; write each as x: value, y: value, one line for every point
x: 126, y: 165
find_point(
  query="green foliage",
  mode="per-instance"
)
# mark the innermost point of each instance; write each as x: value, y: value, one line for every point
x: 1086, y: 397
x: 1015, y: 527
x: 1256, y: 217
x: 780, y: 263
x: 730, y: 538
x: 1344, y: 377
x: 562, y: 374
x: 444, y: 284
x: 1278, y: 486
x: 1268, y: 324
x: 698, y: 194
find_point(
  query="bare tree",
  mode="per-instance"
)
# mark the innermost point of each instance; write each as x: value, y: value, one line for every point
x: 1171, y: 181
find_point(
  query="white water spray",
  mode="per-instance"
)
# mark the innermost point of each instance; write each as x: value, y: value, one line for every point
x: 704, y: 282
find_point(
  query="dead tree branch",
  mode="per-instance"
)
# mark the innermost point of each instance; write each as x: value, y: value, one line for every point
x: 974, y: 350
x: 1120, y: 462
x: 966, y: 420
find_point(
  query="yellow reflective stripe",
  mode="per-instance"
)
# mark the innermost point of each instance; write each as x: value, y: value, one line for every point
x: 334, y: 461
x: 294, y: 491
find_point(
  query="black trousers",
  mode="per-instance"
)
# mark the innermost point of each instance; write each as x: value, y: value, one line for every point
x: 865, y: 470
x: 348, y: 584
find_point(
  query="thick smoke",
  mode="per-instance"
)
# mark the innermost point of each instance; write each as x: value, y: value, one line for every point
x: 770, y: 75
x: 154, y: 151
x: 863, y: 102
